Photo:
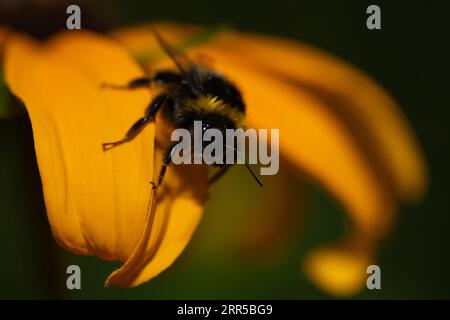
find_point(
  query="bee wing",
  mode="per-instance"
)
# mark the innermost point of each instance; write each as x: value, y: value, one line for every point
x: 188, y: 68
x: 180, y: 59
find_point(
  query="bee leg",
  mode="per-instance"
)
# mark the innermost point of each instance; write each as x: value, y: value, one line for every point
x: 133, y: 84
x: 137, y: 127
x: 166, y: 161
x: 218, y: 174
x: 167, y: 77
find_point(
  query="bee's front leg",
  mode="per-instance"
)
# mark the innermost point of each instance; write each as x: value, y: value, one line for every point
x: 137, y: 127
x: 137, y: 83
x: 166, y: 161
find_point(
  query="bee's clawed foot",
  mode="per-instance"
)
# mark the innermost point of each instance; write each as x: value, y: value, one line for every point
x: 154, y: 185
x: 110, y: 145
x: 107, y: 146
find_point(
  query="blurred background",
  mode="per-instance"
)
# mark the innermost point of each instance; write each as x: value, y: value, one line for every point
x: 408, y: 56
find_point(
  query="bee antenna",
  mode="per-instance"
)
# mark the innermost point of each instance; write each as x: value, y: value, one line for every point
x: 253, y: 174
x: 246, y: 165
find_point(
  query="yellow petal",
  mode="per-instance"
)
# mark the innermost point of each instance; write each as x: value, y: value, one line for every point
x: 96, y: 202
x: 340, y: 270
x: 171, y: 226
x: 351, y: 92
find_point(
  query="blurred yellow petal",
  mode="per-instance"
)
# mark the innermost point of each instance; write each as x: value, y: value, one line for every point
x: 340, y: 270
x: 369, y: 107
x: 312, y: 137
x: 97, y: 202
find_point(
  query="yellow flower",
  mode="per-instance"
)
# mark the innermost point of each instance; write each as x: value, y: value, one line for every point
x: 336, y: 124
x: 97, y: 202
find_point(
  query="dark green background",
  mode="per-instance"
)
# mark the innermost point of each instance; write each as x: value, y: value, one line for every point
x: 408, y: 57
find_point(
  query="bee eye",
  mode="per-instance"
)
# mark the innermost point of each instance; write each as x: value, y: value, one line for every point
x: 205, y: 126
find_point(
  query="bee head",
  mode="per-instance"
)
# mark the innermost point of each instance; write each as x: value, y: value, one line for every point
x: 220, y: 123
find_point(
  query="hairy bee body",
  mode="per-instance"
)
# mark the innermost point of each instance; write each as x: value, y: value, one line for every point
x: 214, y: 101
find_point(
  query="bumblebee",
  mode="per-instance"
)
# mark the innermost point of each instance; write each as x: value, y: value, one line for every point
x: 191, y: 92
